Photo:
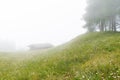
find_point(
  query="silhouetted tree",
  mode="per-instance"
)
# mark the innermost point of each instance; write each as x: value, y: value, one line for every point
x: 102, y: 15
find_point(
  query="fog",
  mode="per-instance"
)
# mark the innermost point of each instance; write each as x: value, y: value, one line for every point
x: 25, y: 22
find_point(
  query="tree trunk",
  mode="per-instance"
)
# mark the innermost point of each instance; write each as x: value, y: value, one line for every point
x: 101, y: 26
x: 113, y: 20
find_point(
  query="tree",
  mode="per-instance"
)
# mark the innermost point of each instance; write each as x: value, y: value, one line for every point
x: 102, y: 15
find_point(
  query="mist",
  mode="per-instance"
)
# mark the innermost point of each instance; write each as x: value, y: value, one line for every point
x: 102, y: 15
x: 28, y: 22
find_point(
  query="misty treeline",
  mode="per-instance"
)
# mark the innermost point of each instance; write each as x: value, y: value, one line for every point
x: 102, y: 15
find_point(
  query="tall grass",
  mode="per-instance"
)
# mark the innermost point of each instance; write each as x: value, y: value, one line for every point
x: 93, y: 56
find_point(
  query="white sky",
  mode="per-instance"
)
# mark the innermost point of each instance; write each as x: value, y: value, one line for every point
x: 41, y: 21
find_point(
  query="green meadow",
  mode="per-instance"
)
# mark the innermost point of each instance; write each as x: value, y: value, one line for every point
x: 91, y: 56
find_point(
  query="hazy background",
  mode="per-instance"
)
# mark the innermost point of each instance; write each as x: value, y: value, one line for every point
x: 24, y: 22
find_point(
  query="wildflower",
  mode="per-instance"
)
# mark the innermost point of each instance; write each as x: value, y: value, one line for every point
x: 83, y: 76
x: 117, y: 71
x: 114, y: 77
x: 111, y: 74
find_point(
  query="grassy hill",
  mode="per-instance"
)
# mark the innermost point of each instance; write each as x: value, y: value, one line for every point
x: 92, y: 56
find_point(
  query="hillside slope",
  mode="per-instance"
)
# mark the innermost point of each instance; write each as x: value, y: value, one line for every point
x: 93, y: 56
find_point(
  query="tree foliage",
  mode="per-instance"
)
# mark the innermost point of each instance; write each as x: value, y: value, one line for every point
x: 102, y: 15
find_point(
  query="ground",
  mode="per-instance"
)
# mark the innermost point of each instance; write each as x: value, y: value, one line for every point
x: 92, y: 56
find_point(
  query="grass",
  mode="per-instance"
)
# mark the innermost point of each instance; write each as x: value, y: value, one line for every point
x: 92, y: 56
